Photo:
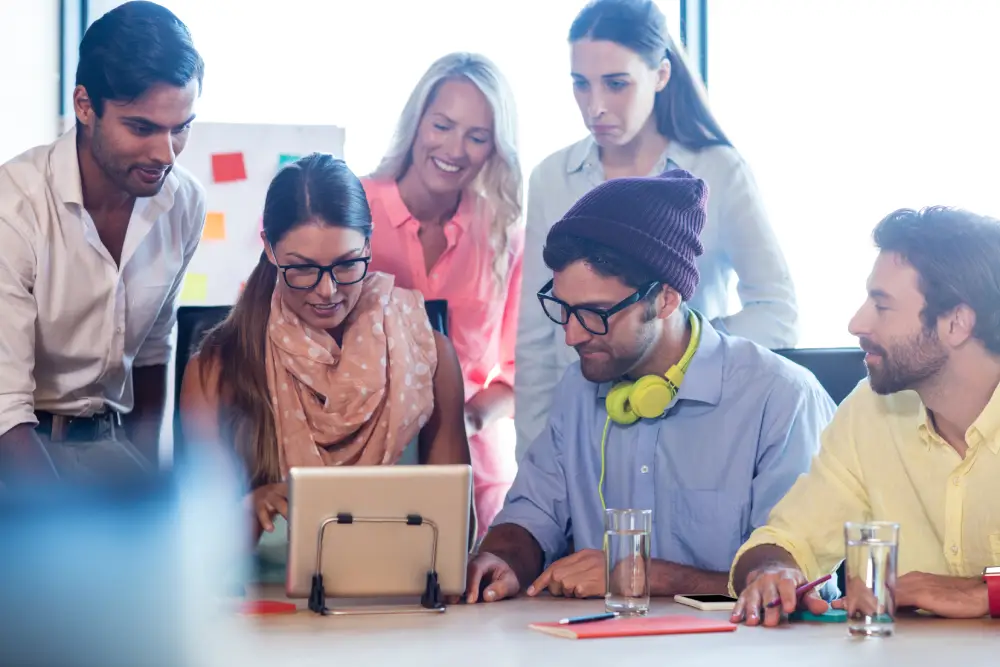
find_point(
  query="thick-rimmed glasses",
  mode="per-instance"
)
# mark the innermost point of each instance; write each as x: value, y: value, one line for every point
x: 308, y: 276
x: 594, y: 320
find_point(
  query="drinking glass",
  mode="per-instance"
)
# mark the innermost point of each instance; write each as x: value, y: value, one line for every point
x: 626, y: 556
x: 870, y: 577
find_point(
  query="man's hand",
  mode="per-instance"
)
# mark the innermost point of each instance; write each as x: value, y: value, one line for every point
x: 951, y: 597
x: 23, y: 458
x: 495, y: 574
x: 580, y: 575
x: 770, y: 583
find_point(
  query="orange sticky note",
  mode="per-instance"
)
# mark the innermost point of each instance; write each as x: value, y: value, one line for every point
x: 228, y: 167
x: 215, y: 227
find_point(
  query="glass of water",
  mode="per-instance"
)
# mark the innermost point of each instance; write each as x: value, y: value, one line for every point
x: 626, y: 556
x: 870, y: 577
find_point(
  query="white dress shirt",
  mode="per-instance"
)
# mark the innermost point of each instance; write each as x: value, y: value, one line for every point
x: 74, y: 324
x: 738, y: 241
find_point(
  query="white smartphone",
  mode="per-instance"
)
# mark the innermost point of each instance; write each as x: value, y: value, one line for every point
x: 707, y: 602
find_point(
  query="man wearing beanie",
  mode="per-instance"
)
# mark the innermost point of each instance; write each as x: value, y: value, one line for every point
x: 712, y: 437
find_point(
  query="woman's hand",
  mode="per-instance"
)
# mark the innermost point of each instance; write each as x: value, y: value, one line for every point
x: 268, y: 501
x: 488, y: 405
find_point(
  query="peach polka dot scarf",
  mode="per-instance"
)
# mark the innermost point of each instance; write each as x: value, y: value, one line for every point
x: 356, y: 404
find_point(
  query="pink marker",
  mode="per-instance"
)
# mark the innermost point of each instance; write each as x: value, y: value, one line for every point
x: 801, y: 590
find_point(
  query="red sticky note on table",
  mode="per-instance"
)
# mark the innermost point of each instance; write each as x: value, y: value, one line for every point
x: 228, y: 167
x: 258, y: 607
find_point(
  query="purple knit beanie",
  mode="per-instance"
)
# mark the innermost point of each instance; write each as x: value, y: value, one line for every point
x: 656, y: 220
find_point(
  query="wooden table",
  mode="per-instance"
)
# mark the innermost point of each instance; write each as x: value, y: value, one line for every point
x: 496, y: 634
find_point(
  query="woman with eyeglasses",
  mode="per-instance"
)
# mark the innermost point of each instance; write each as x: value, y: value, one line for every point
x: 646, y: 112
x: 300, y: 372
x: 446, y: 202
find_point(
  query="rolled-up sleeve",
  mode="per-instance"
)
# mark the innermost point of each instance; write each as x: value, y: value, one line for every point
x: 770, y: 315
x: 17, y: 327
x: 808, y: 522
x: 157, y: 349
x: 538, y: 371
x: 538, y: 501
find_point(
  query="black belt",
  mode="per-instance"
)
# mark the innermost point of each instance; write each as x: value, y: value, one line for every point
x: 80, y: 429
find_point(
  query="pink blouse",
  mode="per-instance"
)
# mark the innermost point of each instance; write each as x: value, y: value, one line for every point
x: 482, y: 319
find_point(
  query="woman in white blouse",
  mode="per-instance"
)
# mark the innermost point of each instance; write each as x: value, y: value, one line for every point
x: 647, y: 112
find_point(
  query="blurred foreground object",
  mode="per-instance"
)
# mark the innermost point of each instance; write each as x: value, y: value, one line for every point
x: 137, y: 571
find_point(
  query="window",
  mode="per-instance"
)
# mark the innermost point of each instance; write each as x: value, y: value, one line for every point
x: 847, y: 111
x: 353, y: 64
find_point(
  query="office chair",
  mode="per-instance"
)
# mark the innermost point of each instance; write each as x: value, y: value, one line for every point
x: 838, y: 369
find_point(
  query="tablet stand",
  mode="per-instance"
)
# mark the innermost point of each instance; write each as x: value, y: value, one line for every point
x: 430, y: 601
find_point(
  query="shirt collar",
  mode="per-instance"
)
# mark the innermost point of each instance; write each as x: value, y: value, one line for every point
x: 398, y: 214
x: 64, y: 165
x: 986, y: 426
x: 585, y: 155
x: 703, y: 379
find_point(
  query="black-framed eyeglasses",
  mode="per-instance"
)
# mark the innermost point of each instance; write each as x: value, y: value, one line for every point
x: 308, y: 276
x: 594, y: 320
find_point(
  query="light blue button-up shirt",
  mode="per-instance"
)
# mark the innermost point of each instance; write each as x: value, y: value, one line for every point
x: 745, y: 424
x: 739, y: 244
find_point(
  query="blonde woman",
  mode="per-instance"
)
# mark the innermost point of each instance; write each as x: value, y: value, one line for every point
x: 446, y: 207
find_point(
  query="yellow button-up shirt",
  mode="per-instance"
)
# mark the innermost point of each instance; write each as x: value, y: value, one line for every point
x: 881, y: 460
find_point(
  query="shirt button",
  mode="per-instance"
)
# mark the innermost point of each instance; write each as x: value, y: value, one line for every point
x: 954, y: 549
x: 118, y: 330
x: 644, y: 469
x: 956, y: 481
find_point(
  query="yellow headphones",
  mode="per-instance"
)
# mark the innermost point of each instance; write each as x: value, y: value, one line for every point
x: 647, y: 397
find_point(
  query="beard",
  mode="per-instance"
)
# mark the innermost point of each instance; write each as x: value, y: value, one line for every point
x: 604, y: 361
x: 118, y: 171
x: 904, y: 364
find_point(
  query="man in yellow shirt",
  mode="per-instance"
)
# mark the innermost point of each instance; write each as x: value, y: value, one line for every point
x: 918, y: 443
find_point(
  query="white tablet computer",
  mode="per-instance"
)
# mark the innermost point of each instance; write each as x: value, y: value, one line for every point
x: 364, y: 559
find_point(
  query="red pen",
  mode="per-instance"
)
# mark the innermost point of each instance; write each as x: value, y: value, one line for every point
x: 802, y: 590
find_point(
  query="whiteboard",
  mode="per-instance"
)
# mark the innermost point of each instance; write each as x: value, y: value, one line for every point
x: 221, y: 265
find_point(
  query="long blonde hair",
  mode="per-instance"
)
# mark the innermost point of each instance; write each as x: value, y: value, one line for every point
x: 498, y: 187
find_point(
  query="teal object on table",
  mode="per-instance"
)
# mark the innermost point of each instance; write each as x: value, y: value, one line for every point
x: 829, y: 616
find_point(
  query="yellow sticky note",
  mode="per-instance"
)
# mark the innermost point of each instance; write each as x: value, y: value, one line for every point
x: 215, y: 227
x: 194, y: 289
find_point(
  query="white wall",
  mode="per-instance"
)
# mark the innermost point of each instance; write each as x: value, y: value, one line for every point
x: 29, y: 70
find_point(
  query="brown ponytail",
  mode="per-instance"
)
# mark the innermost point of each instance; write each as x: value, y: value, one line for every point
x: 237, y: 348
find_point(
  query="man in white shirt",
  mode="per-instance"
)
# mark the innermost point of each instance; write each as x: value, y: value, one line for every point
x: 96, y: 232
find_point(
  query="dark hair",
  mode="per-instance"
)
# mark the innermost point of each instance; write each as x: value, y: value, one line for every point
x: 681, y: 110
x: 563, y: 249
x: 957, y: 255
x: 317, y: 187
x: 132, y: 48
